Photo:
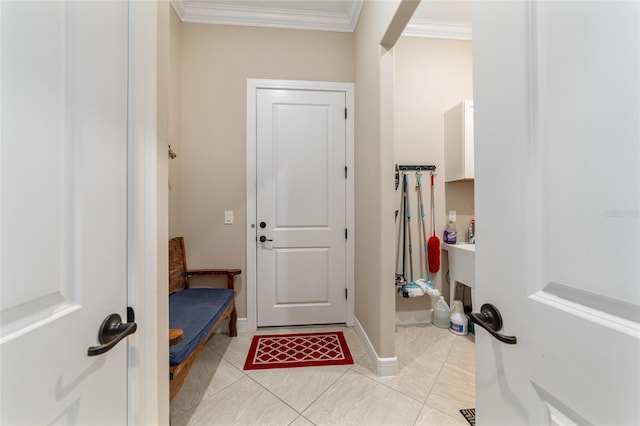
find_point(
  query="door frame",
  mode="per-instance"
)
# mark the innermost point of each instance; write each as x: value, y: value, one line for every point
x: 146, y: 389
x: 253, y: 85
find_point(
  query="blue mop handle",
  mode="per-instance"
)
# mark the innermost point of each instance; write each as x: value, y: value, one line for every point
x: 419, y: 178
x: 406, y: 181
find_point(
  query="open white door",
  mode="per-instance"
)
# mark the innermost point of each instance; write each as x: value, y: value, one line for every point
x: 557, y: 133
x: 63, y: 193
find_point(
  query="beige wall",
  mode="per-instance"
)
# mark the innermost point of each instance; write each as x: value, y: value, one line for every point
x: 208, y: 176
x: 374, y: 302
x: 431, y: 76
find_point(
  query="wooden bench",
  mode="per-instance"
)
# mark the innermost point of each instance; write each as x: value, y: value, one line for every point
x: 194, y: 313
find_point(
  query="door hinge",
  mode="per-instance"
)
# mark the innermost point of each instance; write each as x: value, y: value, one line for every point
x: 346, y: 233
x: 345, y: 113
x: 346, y: 293
x: 345, y: 172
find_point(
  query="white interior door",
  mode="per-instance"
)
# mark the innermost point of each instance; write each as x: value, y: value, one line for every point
x: 557, y: 131
x: 301, y: 207
x: 64, y: 219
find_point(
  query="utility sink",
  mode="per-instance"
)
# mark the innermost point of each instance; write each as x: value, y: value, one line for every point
x: 462, y: 267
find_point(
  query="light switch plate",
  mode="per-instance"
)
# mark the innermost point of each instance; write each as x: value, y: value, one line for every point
x: 228, y: 217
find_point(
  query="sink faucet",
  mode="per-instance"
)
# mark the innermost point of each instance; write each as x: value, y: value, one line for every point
x: 471, y: 232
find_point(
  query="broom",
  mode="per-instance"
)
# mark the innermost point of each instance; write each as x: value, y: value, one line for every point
x: 433, y: 245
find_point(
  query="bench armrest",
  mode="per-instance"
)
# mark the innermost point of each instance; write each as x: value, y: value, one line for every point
x: 175, y: 336
x: 230, y: 273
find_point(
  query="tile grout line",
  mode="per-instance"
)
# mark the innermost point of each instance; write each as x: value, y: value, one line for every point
x: 302, y: 415
x: 442, y: 412
x: 206, y: 398
x: 439, y: 372
x: 446, y: 359
x: 394, y: 390
x: 275, y: 396
x: 324, y: 391
x: 407, y: 394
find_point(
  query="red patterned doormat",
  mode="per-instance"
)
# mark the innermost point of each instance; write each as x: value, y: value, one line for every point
x: 298, y: 350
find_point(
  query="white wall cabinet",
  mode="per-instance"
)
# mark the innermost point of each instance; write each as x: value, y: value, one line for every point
x: 458, y: 142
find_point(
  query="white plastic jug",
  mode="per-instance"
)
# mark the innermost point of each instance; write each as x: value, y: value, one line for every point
x: 441, y: 314
x: 458, y: 323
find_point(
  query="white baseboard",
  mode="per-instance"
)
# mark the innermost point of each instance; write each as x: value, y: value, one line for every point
x: 382, y: 366
x: 422, y: 316
x: 241, y: 325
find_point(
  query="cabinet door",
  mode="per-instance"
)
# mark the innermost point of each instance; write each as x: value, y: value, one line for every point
x: 458, y: 142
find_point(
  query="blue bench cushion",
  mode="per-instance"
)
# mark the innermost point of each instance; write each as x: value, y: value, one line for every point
x: 195, y: 310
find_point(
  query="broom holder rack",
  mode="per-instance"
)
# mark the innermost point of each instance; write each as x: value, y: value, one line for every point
x: 405, y: 167
x: 411, y: 167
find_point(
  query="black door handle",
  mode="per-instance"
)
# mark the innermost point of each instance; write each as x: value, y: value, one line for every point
x: 113, y: 330
x: 490, y: 319
x: 263, y: 239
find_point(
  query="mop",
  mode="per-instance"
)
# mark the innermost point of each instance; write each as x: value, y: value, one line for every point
x: 425, y: 285
x: 411, y: 289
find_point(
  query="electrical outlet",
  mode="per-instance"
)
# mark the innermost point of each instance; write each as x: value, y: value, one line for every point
x: 228, y: 217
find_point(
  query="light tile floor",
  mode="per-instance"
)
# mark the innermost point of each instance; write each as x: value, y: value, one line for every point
x: 436, y: 378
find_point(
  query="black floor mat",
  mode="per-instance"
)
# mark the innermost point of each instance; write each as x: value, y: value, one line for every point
x: 470, y: 415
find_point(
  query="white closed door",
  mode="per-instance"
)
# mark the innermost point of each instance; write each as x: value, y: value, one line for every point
x: 301, y: 216
x: 64, y: 214
x: 557, y: 134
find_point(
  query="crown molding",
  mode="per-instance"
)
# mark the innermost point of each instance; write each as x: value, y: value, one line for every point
x: 433, y: 29
x: 178, y: 7
x: 211, y: 12
x: 227, y: 14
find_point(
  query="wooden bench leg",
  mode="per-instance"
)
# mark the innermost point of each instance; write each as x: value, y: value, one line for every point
x: 233, y: 320
x: 230, y: 281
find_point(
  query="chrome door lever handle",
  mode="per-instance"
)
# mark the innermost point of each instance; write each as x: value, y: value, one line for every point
x: 111, y: 332
x: 490, y: 319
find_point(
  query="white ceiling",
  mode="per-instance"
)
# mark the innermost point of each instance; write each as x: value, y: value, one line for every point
x: 433, y: 18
